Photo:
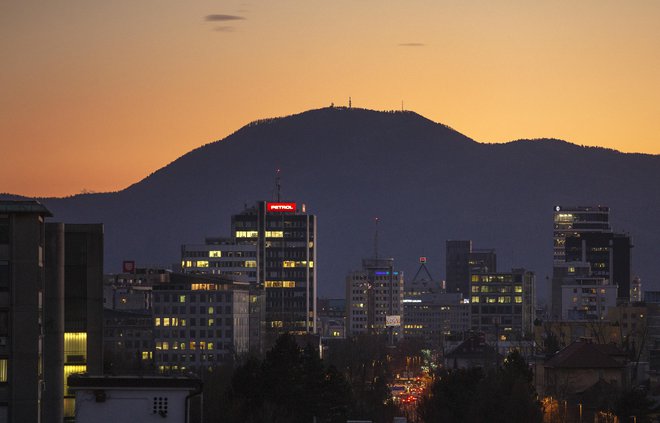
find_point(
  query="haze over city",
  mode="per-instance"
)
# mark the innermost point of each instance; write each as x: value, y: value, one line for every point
x: 108, y: 92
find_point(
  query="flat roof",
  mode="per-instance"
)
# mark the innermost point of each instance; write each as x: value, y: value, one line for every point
x: 24, y: 206
x: 78, y: 381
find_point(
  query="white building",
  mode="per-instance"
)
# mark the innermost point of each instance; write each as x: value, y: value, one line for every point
x: 105, y: 399
x: 587, y: 299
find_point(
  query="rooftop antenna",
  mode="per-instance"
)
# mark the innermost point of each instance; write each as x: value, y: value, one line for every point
x: 402, y: 105
x: 278, y: 185
x: 376, y: 239
x: 349, y: 102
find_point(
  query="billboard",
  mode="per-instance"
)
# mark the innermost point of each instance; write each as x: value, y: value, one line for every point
x: 128, y: 266
x: 281, y: 207
x: 392, y: 320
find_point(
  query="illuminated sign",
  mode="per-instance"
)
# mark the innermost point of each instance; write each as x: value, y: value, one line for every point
x: 281, y: 207
x: 422, y: 259
x: 128, y: 266
x: 392, y: 320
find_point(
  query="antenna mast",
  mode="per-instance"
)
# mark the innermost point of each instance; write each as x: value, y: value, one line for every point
x: 278, y: 186
x: 376, y: 239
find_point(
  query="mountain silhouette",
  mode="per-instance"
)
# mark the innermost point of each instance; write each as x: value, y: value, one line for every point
x: 425, y: 181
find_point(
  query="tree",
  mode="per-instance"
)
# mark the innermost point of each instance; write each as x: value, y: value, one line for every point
x: 503, y: 395
x: 290, y: 385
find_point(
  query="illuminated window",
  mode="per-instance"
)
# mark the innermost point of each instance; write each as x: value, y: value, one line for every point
x: 475, y: 288
x: 209, y: 346
x: 288, y: 263
x: 182, y: 298
x: 274, y: 234
x: 202, y: 263
x: 182, y: 322
x: 193, y: 345
x: 475, y: 299
x: 166, y: 321
x: 211, y: 309
x: 204, y: 287
x: 280, y: 284
x: 518, y: 288
x: 159, y: 345
x: 188, y: 263
x: 182, y: 346
x: 215, y: 253
x: 75, y: 347
x: 202, y: 345
x: 146, y: 355
x: 250, y: 263
x: 490, y: 300
x: 277, y: 324
x: 4, y: 363
x: 166, y: 345
x: 518, y: 299
x: 247, y: 234
x: 475, y: 278
x: 71, y: 370
x: 175, y: 321
x: 157, y: 321
x: 210, y: 322
x: 336, y: 333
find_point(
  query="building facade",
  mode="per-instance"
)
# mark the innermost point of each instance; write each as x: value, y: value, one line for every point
x: 50, y: 310
x: 503, y: 304
x: 286, y: 243
x: 374, y: 298
x: 199, y: 322
x: 583, y: 234
x: 462, y: 261
x: 429, y: 313
x: 22, y: 290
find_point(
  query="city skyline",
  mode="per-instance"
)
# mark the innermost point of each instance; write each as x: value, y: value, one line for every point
x: 109, y: 93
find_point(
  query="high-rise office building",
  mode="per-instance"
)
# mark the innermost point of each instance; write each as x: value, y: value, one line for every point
x: 570, y: 221
x: 583, y: 234
x: 462, y: 261
x: 199, y: 321
x: 83, y: 304
x: 503, y: 304
x: 51, y: 275
x: 22, y: 290
x: 374, y: 298
x: 273, y: 247
x: 286, y: 243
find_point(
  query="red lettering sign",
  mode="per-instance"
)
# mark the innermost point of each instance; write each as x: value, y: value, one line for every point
x: 281, y: 207
x: 128, y: 266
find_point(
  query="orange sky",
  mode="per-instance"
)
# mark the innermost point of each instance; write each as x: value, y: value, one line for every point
x: 96, y: 95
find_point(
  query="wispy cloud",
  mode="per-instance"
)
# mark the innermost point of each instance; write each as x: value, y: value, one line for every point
x: 412, y: 45
x: 224, y: 28
x: 223, y: 18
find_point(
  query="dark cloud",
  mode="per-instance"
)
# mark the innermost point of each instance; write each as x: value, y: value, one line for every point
x: 224, y: 28
x: 223, y: 18
x: 412, y: 45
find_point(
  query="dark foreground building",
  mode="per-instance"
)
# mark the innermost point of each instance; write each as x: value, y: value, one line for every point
x: 50, y: 310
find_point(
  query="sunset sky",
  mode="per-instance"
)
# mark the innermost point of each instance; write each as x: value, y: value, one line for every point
x: 96, y: 95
